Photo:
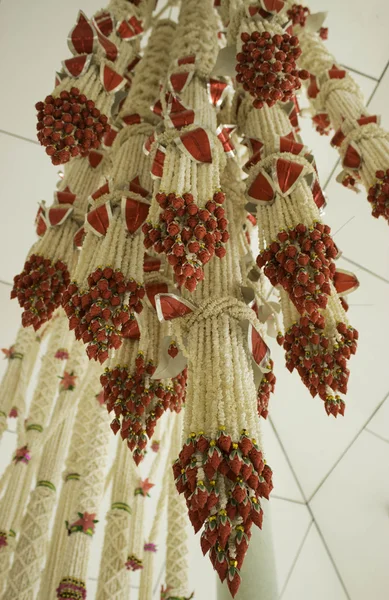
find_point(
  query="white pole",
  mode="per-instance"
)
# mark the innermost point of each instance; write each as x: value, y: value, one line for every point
x: 259, y: 581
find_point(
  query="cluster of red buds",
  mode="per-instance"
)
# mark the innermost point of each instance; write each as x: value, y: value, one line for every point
x: 379, y: 195
x: 101, y: 316
x: 266, y: 387
x: 70, y: 125
x: 188, y: 235
x: 138, y: 402
x: 70, y: 587
x: 227, y: 523
x: 267, y: 68
x: 39, y: 289
x: 298, y: 14
x: 301, y: 262
x: 321, y: 364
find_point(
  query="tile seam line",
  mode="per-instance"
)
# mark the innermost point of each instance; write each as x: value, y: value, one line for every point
x: 376, y: 79
x: 309, y: 507
x: 327, y: 549
x: 378, y: 84
x: 287, y: 459
x: 347, y: 449
x: 365, y: 269
x: 295, y: 560
x: 19, y: 137
x: 377, y: 435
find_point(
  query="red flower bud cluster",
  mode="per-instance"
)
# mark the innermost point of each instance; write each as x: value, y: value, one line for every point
x: 246, y: 479
x: 267, y: 68
x: 188, y: 234
x: 101, y: 316
x: 301, y: 262
x: 266, y: 387
x: 379, y: 195
x: 320, y: 362
x: 298, y: 14
x: 39, y: 289
x: 138, y: 402
x: 69, y: 125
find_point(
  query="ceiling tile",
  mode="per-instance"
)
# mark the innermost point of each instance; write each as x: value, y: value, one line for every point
x: 314, y: 577
x: 289, y: 524
x: 357, y: 33
x: 325, y: 155
x: 285, y: 485
x: 380, y: 422
x: 312, y: 440
x: 33, y: 37
x: 352, y: 512
x: 27, y: 178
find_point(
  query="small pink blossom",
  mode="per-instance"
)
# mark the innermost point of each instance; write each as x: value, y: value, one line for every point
x: 62, y: 354
x: 150, y: 547
x: 68, y: 381
x: 155, y: 445
x: 3, y: 539
x: 22, y: 455
x: 10, y: 353
x: 13, y: 413
x: 100, y: 397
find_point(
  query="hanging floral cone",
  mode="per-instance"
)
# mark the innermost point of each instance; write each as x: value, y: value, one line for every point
x: 108, y: 289
x: 73, y: 120
x: 320, y: 351
x: 338, y: 104
x: 220, y: 469
x: 130, y: 391
x: 187, y: 219
x: 267, y: 54
x: 40, y: 286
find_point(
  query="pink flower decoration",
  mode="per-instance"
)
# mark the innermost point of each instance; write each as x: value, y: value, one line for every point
x: 68, y: 381
x: 144, y: 487
x: 150, y: 547
x: 155, y: 446
x: 22, y: 455
x: 62, y: 354
x: 13, y: 413
x: 100, y: 397
x: 3, y: 539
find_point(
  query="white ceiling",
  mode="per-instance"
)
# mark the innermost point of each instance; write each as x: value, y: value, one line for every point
x: 330, y: 504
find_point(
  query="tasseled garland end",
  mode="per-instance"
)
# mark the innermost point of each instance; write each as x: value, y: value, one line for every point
x: 101, y: 316
x: 39, y: 288
x: 138, y: 402
x: 320, y: 361
x: 70, y: 587
x: 70, y: 126
x: 223, y: 482
x: 301, y: 261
